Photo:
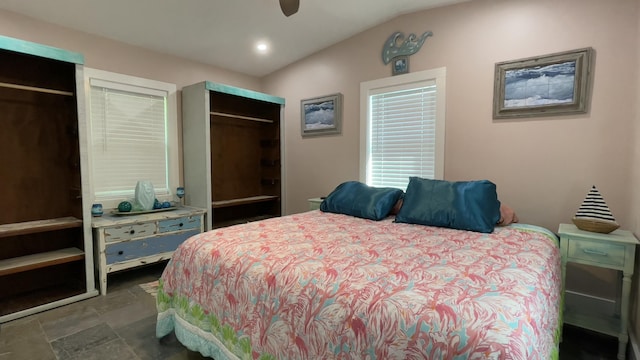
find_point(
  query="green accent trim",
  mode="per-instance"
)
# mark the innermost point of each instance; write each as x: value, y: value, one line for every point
x: 243, y: 92
x: 26, y: 47
x: 234, y: 342
x: 555, y: 352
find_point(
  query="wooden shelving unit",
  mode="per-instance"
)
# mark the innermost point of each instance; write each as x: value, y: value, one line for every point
x: 32, y: 227
x: 232, y: 142
x: 215, y: 113
x: 39, y: 260
x: 46, y: 255
x: 225, y: 223
x: 243, y: 201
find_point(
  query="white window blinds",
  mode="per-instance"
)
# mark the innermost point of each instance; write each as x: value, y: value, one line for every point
x: 402, y: 128
x: 403, y: 136
x: 129, y: 138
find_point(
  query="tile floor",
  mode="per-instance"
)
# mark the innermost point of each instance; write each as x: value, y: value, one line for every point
x: 121, y: 325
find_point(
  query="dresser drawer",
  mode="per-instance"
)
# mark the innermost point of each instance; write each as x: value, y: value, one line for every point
x: 128, y: 232
x: 596, y: 252
x: 182, y: 223
x: 131, y: 250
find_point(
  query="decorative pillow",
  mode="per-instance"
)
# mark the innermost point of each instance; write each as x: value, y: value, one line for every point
x: 357, y: 199
x: 463, y: 205
x: 397, y: 206
x: 507, y: 215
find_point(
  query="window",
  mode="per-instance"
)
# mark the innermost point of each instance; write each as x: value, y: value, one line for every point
x: 402, y: 128
x: 133, y: 136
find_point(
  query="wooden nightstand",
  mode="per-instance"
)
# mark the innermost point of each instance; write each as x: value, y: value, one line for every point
x: 616, y: 251
x: 314, y: 204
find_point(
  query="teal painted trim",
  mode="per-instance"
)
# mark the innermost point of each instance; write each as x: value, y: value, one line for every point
x: 31, y: 48
x: 243, y: 92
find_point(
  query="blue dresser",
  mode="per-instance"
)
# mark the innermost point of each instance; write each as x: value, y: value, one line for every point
x: 127, y: 241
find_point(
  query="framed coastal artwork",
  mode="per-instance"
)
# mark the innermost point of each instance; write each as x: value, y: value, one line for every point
x: 549, y: 85
x: 321, y: 115
x: 400, y: 65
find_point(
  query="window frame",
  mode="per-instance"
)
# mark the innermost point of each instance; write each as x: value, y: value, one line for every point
x: 171, y: 130
x: 410, y: 80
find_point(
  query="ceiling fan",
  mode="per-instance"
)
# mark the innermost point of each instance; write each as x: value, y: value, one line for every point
x: 289, y: 7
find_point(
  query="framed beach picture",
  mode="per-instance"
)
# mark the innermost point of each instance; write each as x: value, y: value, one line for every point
x: 554, y: 84
x: 321, y: 115
x: 400, y: 65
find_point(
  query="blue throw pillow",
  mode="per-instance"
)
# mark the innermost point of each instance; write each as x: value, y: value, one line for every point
x: 463, y: 205
x: 357, y: 199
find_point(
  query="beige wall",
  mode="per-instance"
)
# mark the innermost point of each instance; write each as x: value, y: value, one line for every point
x: 543, y: 166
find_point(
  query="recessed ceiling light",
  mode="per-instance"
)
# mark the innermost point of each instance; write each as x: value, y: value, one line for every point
x: 262, y: 47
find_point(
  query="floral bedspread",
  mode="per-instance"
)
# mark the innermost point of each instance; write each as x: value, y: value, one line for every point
x: 327, y: 286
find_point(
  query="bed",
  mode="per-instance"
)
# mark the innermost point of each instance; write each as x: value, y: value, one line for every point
x: 327, y: 285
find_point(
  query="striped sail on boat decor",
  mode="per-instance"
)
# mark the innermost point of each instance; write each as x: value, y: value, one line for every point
x: 594, y: 214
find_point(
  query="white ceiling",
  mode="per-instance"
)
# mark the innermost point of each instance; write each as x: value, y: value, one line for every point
x: 222, y: 32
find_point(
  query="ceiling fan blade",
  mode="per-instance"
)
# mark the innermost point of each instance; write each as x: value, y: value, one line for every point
x: 289, y: 7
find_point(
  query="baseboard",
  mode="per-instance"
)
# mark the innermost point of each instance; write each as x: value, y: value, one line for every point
x: 634, y: 354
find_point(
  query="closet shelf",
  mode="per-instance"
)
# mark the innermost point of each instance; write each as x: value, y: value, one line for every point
x: 40, y: 260
x: 38, y: 226
x: 241, y: 117
x: 243, y: 201
x: 36, y: 89
x: 220, y: 224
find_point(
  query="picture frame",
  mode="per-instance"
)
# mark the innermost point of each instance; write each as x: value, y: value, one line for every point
x: 399, y: 65
x: 321, y: 115
x: 548, y: 85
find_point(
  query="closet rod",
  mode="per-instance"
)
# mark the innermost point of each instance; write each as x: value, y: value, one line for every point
x: 241, y: 117
x: 33, y: 88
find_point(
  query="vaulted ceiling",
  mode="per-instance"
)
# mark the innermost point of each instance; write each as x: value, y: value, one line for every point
x: 222, y: 33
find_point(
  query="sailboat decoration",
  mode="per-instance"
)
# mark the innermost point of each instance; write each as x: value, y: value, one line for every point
x: 594, y: 214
